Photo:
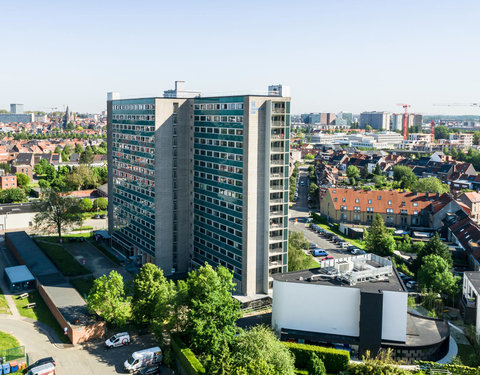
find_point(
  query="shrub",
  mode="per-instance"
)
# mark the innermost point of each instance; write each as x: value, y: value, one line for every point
x: 316, y: 366
x: 185, y: 356
x: 335, y: 360
x: 85, y: 204
x: 453, y: 369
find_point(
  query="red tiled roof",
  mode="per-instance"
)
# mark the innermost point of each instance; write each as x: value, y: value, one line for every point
x: 472, y: 196
x: 399, y: 200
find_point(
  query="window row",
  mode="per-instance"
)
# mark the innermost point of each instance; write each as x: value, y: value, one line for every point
x: 219, y: 167
x: 221, y: 179
x: 217, y: 202
x: 138, y: 160
x: 218, y: 106
x: 135, y: 127
x: 222, y: 227
x: 129, y: 177
x: 126, y: 146
x: 138, y: 240
x: 219, y: 155
x: 215, y: 130
x: 134, y: 106
x: 134, y: 117
x: 214, y: 118
x: 217, y: 249
x: 119, y: 137
x: 214, y: 259
x: 216, y: 142
x: 217, y: 237
x: 133, y: 168
x: 220, y: 214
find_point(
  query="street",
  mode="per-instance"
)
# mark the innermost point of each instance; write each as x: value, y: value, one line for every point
x: 301, y: 213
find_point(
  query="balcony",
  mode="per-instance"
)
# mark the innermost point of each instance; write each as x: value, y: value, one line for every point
x: 276, y: 213
x: 277, y: 188
x: 276, y: 175
x: 277, y: 162
x: 276, y: 201
x: 277, y: 136
x: 276, y: 226
x: 275, y: 239
x: 279, y: 110
x: 275, y: 264
x: 278, y: 124
x: 277, y: 149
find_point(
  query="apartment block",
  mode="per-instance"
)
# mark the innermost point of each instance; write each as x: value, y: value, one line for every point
x: 377, y: 120
x: 201, y: 179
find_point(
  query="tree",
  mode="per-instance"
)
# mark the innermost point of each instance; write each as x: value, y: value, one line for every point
x: 107, y: 298
x: 85, y: 204
x: 316, y: 366
x: 379, y: 181
x: 378, y: 239
x: 221, y: 363
x: 57, y: 150
x: 309, y: 157
x: 78, y: 148
x: 6, y: 167
x: 12, y: 195
x: 441, y: 132
x: 211, y: 311
x: 81, y: 177
x: 405, y: 176
x: 352, y: 173
x: 434, y: 274
x: 258, y: 344
x: 100, y: 203
x: 22, y: 179
x: 150, y: 288
x: 312, y: 190
x: 297, y: 260
x: 57, y: 210
x: 70, y: 126
x: 434, y: 246
x: 40, y: 167
x: 86, y: 157
x: 431, y: 185
x: 368, y: 128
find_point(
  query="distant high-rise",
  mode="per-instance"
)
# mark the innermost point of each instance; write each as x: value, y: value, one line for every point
x: 377, y: 120
x: 201, y: 179
x: 16, y: 109
x: 67, y: 118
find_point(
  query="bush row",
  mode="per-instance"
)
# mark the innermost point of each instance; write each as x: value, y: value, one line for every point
x: 185, y: 356
x: 335, y: 360
x: 453, y: 369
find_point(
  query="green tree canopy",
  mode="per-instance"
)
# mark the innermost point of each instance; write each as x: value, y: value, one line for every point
x: 378, y: 239
x: 441, y: 132
x: 22, y: 179
x: 434, y: 274
x: 211, y: 311
x: 78, y: 148
x: 57, y: 210
x: 309, y: 157
x: 81, y: 177
x: 107, y: 298
x: 353, y: 172
x: 316, y: 365
x: 434, y: 246
x: 405, y: 176
x: 150, y: 288
x: 431, y: 185
x: 260, y: 344
x: 297, y: 243
x: 12, y: 195
x: 86, y: 157
x: 100, y: 203
x: 57, y: 150
x: 6, y: 167
x: 85, y: 204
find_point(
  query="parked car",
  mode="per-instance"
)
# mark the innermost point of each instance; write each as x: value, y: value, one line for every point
x: 412, y: 284
x: 328, y: 257
x: 97, y: 216
x: 41, y: 362
x: 313, y: 246
x: 143, y: 358
x: 45, y: 369
x: 343, y: 244
x: 120, y: 339
x: 354, y: 250
x: 318, y: 252
x: 103, y: 216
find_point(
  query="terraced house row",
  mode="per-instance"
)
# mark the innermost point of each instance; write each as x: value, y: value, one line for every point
x: 202, y: 179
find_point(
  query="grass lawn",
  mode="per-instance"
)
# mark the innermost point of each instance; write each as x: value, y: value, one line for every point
x: 313, y: 262
x: 40, y: 312
x: 65, y: 262
x: 83, y: 228
x: 3, y: 305
x: 83, y: 285
x: 105, y: 252
x: 88, y: 215
x: 7, y: 341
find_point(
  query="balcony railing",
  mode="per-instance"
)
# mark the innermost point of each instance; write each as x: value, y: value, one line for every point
x: 277, y: 162
x: 276, y: 175
x: 276, y: 238
x: 276, y: 213
x: 278, y: 149
x: 275, y: 201
x: 277, y: 124
x: 275, y: 264
x: 277, y: 188
x: 277, y: 136
x: 276, y: 226
x: 278, y: 110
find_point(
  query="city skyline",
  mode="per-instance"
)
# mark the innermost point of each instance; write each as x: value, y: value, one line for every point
x: 335, y: 56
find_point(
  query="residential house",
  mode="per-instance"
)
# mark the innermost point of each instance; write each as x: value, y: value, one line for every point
x: 8, y: 181
x: 472, y: 200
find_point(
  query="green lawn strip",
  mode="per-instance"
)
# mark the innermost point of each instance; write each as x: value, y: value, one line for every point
x: 7, y: 341
x: 313, y: 262
x: 3, y: 304
x: 83, y: 228
x: 40, y: 312
x: 83, y: 285
x: 105, y: 252
x: 65, y: 262
x: 88, y: 215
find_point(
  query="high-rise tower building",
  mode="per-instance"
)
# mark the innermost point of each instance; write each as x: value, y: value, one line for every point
x: 202, y: 179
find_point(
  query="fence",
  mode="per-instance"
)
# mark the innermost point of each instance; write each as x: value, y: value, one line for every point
x: 14, y: 354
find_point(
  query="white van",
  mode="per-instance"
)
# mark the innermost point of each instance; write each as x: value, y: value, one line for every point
x: 143, y: 358
x: 120, y: 339
x: 45, y: 369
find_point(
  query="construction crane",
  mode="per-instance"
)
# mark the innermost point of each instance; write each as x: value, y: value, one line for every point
x: 405, y: 120
x: 432, y: 132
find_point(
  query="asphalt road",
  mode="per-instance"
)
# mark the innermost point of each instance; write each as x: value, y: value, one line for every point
x: 299, y: 213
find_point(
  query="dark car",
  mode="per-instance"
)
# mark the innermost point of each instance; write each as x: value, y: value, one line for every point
x: 103, y: 216
x: 152, y: 369
x: 40, y: 362
x: 97, y: 216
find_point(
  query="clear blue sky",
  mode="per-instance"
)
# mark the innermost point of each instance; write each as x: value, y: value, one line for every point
x: 350, y: 55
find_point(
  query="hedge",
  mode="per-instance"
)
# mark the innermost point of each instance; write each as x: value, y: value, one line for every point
x: 335, y: 360
x: 185, y: 356
x: 453, y: 369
